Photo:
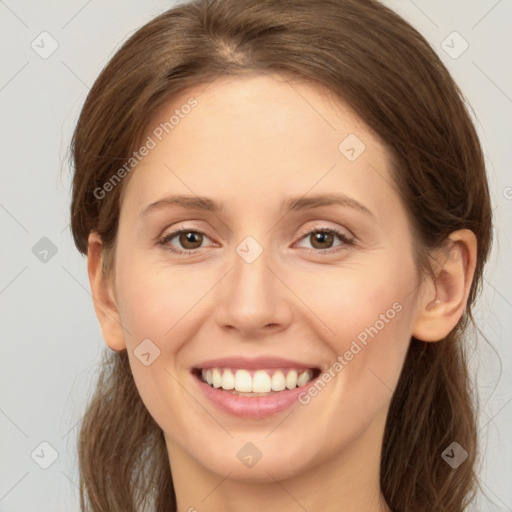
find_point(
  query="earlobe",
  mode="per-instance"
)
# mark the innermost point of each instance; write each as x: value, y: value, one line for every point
x: 103, y: 296
x: 443, y: 304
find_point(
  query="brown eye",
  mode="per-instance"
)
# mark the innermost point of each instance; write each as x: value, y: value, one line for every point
x: 321, y: 240
x: 189, y: 241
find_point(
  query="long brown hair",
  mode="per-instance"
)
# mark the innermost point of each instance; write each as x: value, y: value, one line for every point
x: 371, y: 58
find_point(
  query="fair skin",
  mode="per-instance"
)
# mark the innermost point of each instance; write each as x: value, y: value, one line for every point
x: 251, y: 143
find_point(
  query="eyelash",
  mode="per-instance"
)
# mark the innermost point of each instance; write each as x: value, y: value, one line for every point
x: 342, y: 236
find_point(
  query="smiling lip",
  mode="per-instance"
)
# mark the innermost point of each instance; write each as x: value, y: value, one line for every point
x: 248, y: 406
x: 252, y: 364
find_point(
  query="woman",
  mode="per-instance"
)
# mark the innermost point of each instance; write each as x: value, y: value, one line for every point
x: 286, y: 215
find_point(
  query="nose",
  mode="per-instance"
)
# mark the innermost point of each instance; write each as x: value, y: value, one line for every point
x: 254, y: 299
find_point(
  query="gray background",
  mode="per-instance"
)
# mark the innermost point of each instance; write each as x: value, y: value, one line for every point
x: 50, y: 339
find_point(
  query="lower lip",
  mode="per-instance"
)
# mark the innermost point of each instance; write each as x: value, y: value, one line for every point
x: 252, y: 407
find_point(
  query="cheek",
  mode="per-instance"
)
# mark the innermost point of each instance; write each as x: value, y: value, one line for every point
x: 362, y: 314
x: 373, y: 354
x: 365, y: 318
x: 338, y: 304
x: 153, y: 309
x: 155, y: 303
x: 345, y: 301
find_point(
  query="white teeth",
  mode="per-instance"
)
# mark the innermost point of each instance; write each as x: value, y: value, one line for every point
x: 304, y: 378
x: 216, y: 378
x: 291, y: 379
x: 243, y: 381
x: 260, y: 383
x: 278, y: 381
x: 228, y: 380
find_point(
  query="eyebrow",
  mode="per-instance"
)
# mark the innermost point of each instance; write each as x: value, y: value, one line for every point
x: 291, y: 204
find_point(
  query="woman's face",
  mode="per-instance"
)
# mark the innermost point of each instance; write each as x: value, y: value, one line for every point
x: 296, y: 255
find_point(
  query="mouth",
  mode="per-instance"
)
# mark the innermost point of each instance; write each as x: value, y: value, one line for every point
x: 256, y: 382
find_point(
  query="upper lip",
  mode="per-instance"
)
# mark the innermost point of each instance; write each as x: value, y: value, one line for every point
x: 255, y: 363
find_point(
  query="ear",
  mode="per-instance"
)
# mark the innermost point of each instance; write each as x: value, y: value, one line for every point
x: 443, y: 301
x: 103, y: 295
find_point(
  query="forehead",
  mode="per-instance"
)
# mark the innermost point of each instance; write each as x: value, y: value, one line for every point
x: 253, y: 138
